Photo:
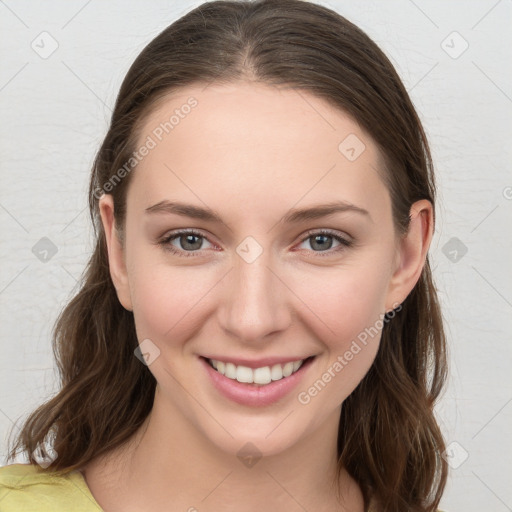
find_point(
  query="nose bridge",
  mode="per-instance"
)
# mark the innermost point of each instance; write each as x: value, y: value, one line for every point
x: 255, y: 304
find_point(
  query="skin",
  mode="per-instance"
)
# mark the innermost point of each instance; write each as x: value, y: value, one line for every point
x: 251, y: 152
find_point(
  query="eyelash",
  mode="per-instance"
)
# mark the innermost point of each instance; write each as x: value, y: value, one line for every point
x: 165, y: 242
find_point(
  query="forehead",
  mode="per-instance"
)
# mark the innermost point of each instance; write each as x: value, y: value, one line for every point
x: 255, y: 143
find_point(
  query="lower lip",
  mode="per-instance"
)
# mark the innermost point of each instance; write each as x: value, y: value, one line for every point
x: 251, y: 394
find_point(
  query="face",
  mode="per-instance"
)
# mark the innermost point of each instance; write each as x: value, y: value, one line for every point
x: 221, y: 261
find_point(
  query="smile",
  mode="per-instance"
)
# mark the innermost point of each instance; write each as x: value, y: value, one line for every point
x: 260, y: 376
x: 255, y: 383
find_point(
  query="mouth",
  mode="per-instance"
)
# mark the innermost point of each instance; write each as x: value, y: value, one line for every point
x: 255, y: 386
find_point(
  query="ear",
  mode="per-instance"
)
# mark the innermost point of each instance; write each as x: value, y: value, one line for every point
x: 411, y: 253
x: 116, y: 257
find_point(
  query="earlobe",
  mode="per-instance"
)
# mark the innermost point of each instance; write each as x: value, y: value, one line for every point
x: 412, y: 253
x: 116, y: 259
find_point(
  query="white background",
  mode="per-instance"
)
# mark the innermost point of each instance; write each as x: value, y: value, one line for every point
x: 54, y: 114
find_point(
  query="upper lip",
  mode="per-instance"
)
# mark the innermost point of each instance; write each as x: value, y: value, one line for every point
x: 256, y: 363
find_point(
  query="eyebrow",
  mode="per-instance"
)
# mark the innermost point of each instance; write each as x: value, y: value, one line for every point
x: 294, y: 216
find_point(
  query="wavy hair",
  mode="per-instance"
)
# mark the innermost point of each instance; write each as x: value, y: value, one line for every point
x: 388, y: 439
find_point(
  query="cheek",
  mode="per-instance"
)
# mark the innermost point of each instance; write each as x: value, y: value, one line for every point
x: 348, y: 322
x: 343, y: 302
x: 347, y: 310
x: 166, y: 299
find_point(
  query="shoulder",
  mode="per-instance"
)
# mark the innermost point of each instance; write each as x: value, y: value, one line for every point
x: 27, y: 487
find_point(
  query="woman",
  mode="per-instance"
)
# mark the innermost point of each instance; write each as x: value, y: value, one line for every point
x: 257, y: 326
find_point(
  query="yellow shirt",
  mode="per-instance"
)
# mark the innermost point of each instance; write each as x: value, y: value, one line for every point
x: 28, y: 488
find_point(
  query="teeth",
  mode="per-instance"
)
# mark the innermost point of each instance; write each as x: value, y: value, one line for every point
x: 287, y: 369
x: 230, y: 371
x: 244, y: 374
x: 261, y: 376
x: 276, y: 373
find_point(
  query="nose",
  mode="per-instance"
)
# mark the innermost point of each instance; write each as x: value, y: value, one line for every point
x: 256, y: 300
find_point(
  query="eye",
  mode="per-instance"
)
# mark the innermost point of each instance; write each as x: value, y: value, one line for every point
x: 187, y: 241
x: 322, y: 240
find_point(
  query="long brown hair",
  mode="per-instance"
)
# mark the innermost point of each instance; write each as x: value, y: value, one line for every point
x: 388, y: 439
